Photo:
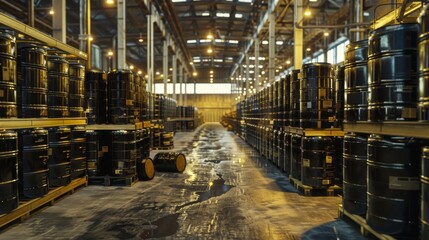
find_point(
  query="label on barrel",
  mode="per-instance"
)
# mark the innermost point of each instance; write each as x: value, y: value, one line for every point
x: 328, y: 159
x: 326, y: 181
x: 105, y: 148
x: 306, y: 162
x: 92, y: 165
x: 129, y: 102
x: 327, y: 104
x: 409, y: 113
x: 5, y: 74
x: 404, y: 183
x: 49, y: 151
x: 100, y: 153
x: 308, y: 105
x: 1, y: 93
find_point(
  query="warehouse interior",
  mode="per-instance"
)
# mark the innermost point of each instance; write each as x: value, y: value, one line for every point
x: 214, y: 119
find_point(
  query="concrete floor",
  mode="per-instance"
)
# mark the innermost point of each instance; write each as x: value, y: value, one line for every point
x: 227, y: 192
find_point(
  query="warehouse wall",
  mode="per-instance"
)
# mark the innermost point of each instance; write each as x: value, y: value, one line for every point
x: 212, y: 106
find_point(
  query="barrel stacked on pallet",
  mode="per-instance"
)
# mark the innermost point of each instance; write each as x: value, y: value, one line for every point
x: 8, y: 81
x: 393, y: 172
x: 9, y: 197
x: 34, y: 84
x: 77, y: 89
x: 58, y: 86
x: 32, y: 81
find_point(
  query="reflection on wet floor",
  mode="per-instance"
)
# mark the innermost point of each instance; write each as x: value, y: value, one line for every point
x: 228, y: 191
x: 216, y: 188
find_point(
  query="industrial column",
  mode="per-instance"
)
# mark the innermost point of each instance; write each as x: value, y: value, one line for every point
x: 240, y: 78
x: 121, y: 16
x: 247, y: 75
x: 149, y: 50
x: 59, y: 26
x: 186, y: 90
x: 174, y: 63
x: 181, y: 85
x: 271, y: 47
x: 31, y: 12
x: 298, y: 35
x: 165, y: 64
x: 257, y: 86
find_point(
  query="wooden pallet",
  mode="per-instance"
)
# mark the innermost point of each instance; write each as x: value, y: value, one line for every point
x: 25, y: 208
x: 112, y: 180
x: 315, y: 191
x: 364, y: 228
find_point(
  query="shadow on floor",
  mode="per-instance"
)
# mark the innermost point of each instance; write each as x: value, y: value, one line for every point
x: 335, y: 230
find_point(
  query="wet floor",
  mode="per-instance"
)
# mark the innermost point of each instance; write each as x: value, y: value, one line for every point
x: 226, y: 192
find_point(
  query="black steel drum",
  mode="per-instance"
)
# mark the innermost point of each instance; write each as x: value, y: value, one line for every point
x: 78, y: 152
x: 97, y: 152
x: 294, y: 98
x: 318, y: 169
x: 316, y: 96
x: 356, y: 82
x: 393, y: 73
x: 393, y: 168
x: 59, y: 156
x: 33, y: 163
x: 96, y: 96
x: 167, y: 139
x: 58, y: 87
x: 354, y: 173
x: 145, y: 169
x: 169, y: 162
x: 8, y: 96
x: 339, y: 95
x: 120, y: 102
x: 286, y: 100
x: 280, y: 102
x: 280, y: 149
x: 77, y: 89
x: 9, y: 198
x: 296, y: 156
x: 424, y: 196
x: 32, y: 81
x: 123, y: 153
x: 287, y: 154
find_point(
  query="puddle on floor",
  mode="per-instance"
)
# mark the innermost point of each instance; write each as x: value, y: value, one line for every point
x: 163, y: 227
x: 217, y: 188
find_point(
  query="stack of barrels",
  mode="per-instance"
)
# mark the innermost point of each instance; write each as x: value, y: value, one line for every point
x: 381, y: 84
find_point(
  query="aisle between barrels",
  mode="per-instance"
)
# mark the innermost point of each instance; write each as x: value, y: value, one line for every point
x: 226, y: 192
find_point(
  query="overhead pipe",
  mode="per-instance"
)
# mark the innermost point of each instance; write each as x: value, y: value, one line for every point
x: 400, y: 16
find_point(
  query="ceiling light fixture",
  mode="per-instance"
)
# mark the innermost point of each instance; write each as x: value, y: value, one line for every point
x: 307, y: 13
x: 209, y: 36
x: 140, y: 38
x: 110, y: 53
x: 308, y: 49
x: 51, y: 12
x: 131, y: 67
x: 288, y: 62
x: 325, y: 34
x: 194, y: 74
x: 209, y: 50
x: 110, y: 1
